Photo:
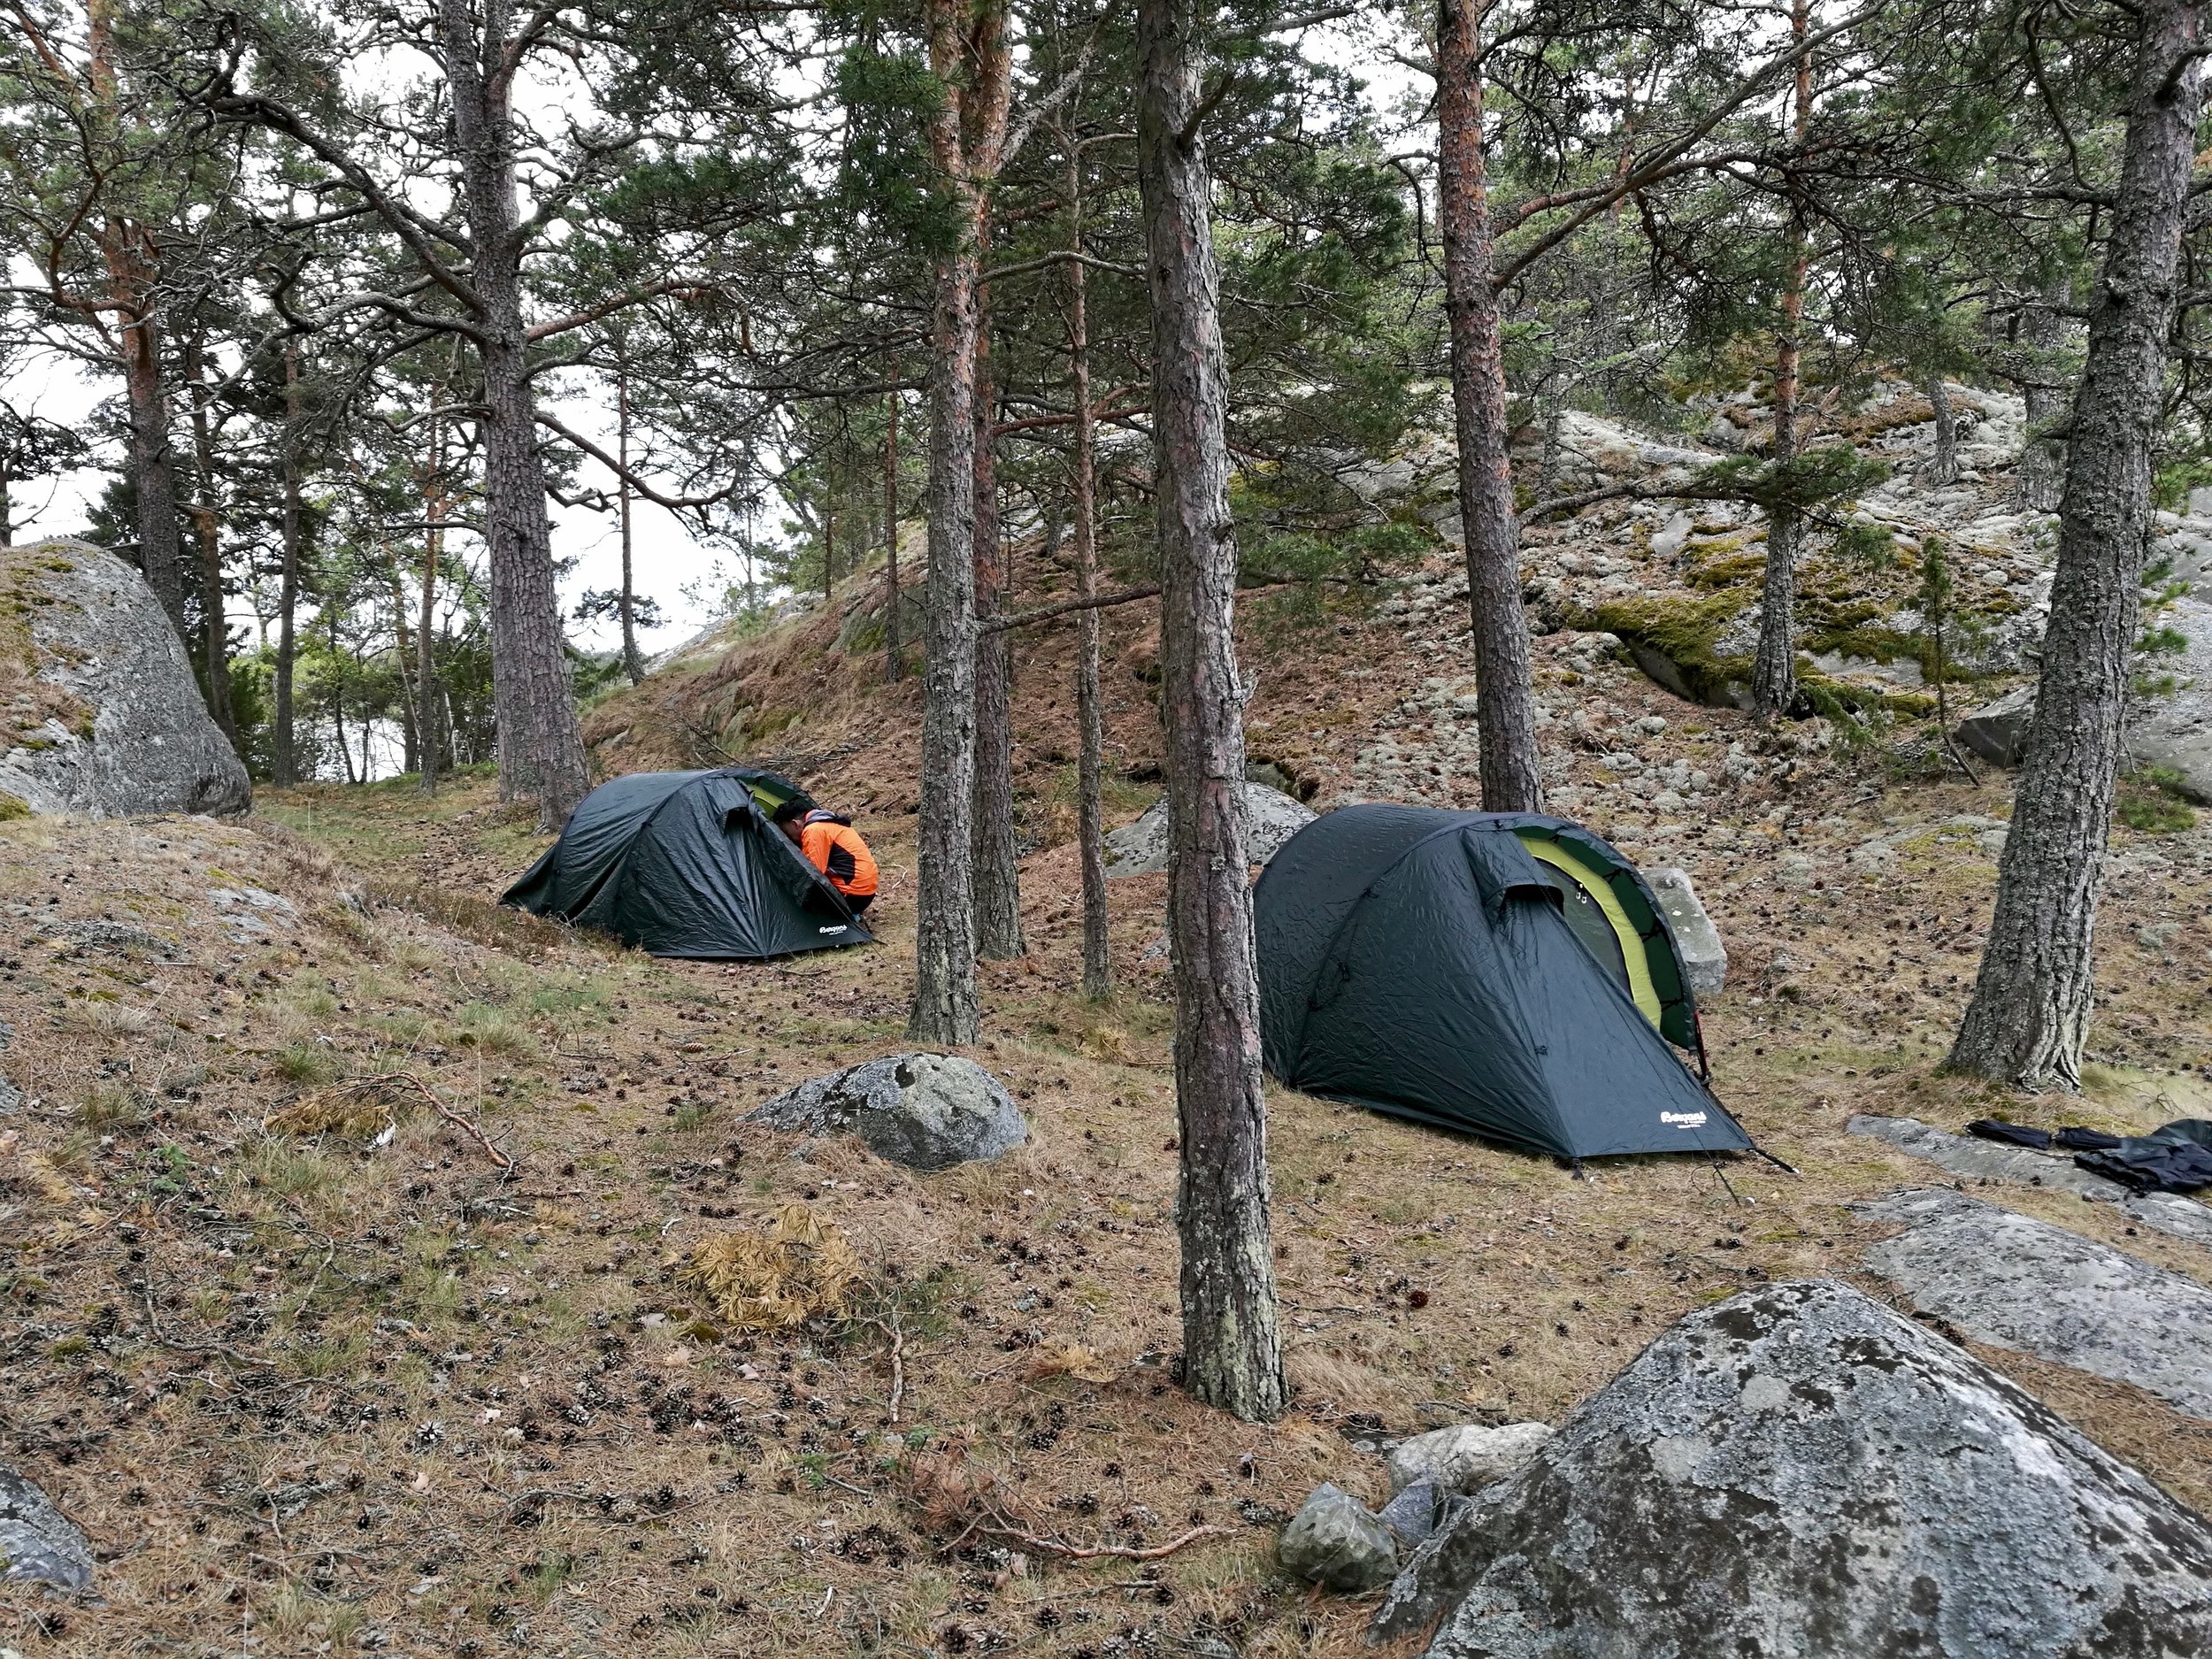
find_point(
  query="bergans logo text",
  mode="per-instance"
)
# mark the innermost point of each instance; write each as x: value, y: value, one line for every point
x: 1684, y: 1120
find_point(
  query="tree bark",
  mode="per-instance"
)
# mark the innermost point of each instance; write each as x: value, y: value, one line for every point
x: 998, y: 917
x: 1090, y: 816
x: 1774, y: 669
x: 1511, y: 768
x: 968, y: 55
x: 632, y: 663
x: 284, y: 762
x: 2042, y: 473
x: 207, y: 528
x: 426, y: 690
x: 1943, y: 465
x: 1232, y: 1342
x: 2029, y: 1019
x: 540, y: 738
x: 160, y: 546
x: 894, y: 648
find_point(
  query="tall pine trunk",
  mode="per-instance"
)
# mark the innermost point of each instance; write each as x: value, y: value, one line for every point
x: 153, y: 471
x: 1943, y: 465
x: 1774, y: 669
x: 2030, y: 1017
x: 1090, y: 816
x: 429, y: 700
x: 894, y: 648
x: 633, y: 661
x: 207, y: 531
x: 1232, y: 1342
x: 285, y: 761
x: 1512, y: 770
x: 998, y: 915
x: 541, y: 744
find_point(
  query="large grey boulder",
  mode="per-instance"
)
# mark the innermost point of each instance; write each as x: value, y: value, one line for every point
x: 2008, y: 1278
x: 1800, y: 1471
x: 38, y: 1543
x: 1998, y: 731
x: 928, y: 1111
x: 1465, y: 1457
x: 103, y: 714
x: 1703, y: 955
x: 1336, y: 1541
x: 1271, y: 817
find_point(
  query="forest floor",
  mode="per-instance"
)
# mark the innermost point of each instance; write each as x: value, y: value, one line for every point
x: 309, y: 1397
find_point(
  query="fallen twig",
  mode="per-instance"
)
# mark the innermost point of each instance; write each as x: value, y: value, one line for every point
x: 898, y: 1360
x: 474, y: 1131
x: 1096, y: 1552
x: 177, y: 1343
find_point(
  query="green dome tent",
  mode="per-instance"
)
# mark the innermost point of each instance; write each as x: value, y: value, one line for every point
x: 1508, y: 975
x: 690, y: 863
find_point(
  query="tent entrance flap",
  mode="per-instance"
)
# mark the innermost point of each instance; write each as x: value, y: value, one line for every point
x: 1441, y: 966
x: 689, y: 865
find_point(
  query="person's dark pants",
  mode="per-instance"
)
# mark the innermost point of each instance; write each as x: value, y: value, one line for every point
x: 859, y: 902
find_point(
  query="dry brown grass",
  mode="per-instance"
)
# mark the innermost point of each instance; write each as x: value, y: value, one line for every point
x: 801, y: 1268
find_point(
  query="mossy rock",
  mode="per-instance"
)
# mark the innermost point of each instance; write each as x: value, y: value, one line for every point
x: 1674, y: 642
x: 12, y: 806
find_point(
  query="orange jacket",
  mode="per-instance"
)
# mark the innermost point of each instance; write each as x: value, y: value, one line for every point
x: 838, y: 852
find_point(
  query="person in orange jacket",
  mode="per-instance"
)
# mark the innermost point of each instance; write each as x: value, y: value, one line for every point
x: 833, y: 846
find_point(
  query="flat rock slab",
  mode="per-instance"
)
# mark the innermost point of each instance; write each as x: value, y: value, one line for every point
x: 2169, y: 1212
x: 2025, y: 1284
x: 1800, y: 1471
x: 1986, y: 1160
x: 928, y: 1111
x: 38, y: 1543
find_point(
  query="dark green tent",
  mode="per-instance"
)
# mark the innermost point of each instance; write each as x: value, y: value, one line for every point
x: 1431, y: 964
x: 690, y: 863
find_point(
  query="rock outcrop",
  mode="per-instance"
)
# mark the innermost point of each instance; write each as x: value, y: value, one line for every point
x: 1798, y: 1470
x: 928, y: 1111
x: 1271, y: 817
x: 2004, y: 1278
x: 38, y: 1543
x: 99, y: 712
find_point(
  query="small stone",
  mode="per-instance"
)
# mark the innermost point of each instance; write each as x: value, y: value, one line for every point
x: 1465, y: 1457
x: 1413, y: 1514
x: 38, y: 1543
x: 1335, y: 1540
x: 928, y: 1111
x: 1793, y: 871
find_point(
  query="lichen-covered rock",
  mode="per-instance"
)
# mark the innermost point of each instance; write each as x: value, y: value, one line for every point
x: 1413, y: 1514
x: 99, y: 712
x: 1798, y: 1470
x: 38, y: 1543
x: 1704, y: 957
x: 2004, y: 1278
x: 1334, y: 1539
x: 928, y: 1111
x: 1270, y: 817
x: 1465, y: 1457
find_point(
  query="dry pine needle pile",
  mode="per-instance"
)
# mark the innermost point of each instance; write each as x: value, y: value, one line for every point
x: 802, y: 1267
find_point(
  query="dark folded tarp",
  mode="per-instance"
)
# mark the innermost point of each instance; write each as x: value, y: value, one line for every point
x: 2176, y: 1157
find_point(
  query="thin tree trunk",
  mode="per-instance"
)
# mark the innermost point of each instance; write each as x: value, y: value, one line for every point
x: 541, y: 744
x: 829, y: 548
x: 2029, y: 1016
x: 998, y: 919
x: 1943, y: 465
x: 1774, y: 669
x: 427, y: 688
x: 1512, y: 770
x: 285, y: 761
x: 894, y: 648
x: 632, y: 663
x: 2043, y: 461
x: 207, y: 528
x: 338, y: 696
x: 7, y: 512
x: 1090, y: 816
x: 1232, y: 1342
